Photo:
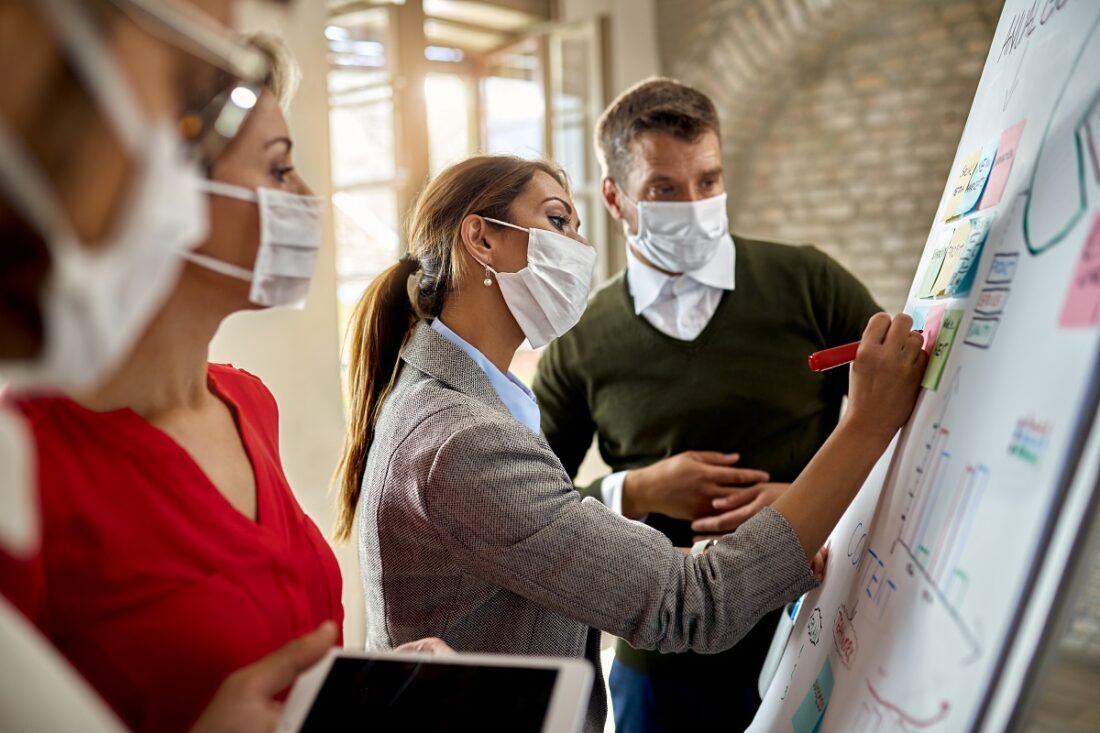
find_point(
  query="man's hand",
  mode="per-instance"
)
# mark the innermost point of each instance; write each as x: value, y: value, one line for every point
x: 245, y: 702
x: 735, y: 509
x: 685, y: 485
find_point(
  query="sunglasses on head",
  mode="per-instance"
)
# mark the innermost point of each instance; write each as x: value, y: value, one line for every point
x: 212, y: 119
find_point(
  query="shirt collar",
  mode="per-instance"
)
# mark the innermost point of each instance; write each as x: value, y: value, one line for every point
x: 646, y: 283
x: 515, y: 395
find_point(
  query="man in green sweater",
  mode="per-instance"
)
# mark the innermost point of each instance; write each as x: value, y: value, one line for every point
x: 689, y: 366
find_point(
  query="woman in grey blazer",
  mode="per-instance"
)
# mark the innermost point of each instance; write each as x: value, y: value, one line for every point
x: 469, y: 528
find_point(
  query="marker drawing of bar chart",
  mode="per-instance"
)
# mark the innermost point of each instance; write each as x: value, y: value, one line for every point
x: 940, y: 515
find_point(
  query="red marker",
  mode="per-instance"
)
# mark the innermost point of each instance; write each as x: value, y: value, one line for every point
x: 834, y: 357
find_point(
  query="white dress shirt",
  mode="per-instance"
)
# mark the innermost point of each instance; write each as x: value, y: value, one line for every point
x: 679, y: 306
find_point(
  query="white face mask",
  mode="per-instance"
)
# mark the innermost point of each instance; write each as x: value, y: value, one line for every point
x: 548, y: 296
x: 291, y: 230
x: 97, y: 300
x: 680, y: 236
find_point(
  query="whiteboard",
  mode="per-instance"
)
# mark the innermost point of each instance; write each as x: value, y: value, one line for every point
x: 943, y: 571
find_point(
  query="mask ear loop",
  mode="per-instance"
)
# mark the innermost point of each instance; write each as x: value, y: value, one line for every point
x: 488, y: 281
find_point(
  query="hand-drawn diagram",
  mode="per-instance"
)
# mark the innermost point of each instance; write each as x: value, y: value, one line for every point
x: 1049, y: 213
x: 933, y: 575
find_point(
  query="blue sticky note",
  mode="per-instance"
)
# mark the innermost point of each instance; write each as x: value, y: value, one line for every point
x: 976, y: 186
x: 962, y: 280
x: 807, y: 718
x: 920, y: 317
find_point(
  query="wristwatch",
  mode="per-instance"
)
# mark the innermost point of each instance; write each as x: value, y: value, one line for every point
x: 702, y: 546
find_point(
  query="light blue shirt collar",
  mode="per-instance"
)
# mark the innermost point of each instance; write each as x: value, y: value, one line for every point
x: 515, y: 395
x: 646, y: 283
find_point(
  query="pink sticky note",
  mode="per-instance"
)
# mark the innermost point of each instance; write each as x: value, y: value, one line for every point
x: 932, y: 326
x: 1002, y: 166
x: 1082, y: 304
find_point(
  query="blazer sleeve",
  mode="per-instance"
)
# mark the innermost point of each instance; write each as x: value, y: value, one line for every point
x: 509, y: 514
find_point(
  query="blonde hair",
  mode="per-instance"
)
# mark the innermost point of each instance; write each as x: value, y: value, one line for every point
x: 417, y: 288
x: 284, y: 74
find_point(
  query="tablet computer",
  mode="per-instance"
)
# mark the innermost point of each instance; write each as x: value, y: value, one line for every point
x: 383, y: 691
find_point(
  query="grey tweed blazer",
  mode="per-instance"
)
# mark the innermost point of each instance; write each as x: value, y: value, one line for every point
x: 470, y: 530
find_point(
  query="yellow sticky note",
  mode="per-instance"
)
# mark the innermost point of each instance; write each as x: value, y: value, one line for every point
x: 955, y: 249
x: 935, y: 264
x: 969, y: 165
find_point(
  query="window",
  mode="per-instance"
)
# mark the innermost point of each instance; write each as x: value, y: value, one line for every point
x: 364, y: 155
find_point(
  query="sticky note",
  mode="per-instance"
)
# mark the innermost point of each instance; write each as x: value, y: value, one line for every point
x: 962, y: 180
x: 932, y: 326
x: 1002, y: 166
x: 807, y: 718
x: 920, y: 317
x: 978, y: 180
x: 1082, y: 304
x: 942, y: 349
x: 955, y: 249
x: 935, y: 264
x: 966, y: 271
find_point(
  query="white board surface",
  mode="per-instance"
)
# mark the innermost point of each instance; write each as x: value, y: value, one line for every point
x: 933, y: 567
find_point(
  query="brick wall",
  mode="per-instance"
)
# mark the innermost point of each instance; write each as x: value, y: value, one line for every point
x: 840, y: 121
x: 841, y: 118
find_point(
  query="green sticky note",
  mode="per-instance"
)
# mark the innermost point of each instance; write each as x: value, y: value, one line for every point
x: 942, y: 349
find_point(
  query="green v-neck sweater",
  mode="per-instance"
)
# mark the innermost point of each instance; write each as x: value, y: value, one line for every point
x: 742, y: 386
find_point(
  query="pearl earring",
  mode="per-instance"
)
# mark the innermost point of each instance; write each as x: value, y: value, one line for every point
x: 488, y: 281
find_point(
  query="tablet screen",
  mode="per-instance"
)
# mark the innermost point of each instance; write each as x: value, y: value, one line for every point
x: 377, y: 695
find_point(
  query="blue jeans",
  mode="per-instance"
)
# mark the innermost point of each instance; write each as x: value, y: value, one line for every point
x: 644, y: 703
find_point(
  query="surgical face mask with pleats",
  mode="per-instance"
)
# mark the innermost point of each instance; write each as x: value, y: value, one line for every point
x: 97, y: 300
x: 680, y: 236
x: 547, y: 297
x: 291, y: 230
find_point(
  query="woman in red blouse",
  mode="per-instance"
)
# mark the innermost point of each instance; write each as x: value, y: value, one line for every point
x: 173, y: 550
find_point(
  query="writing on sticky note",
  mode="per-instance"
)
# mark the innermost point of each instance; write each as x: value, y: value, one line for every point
x: 807, y: 718
x: 976, y: 186
x: 942, y: 350
x: 962, y: 180
x: 932, y: 325
x: 934, y: 266
x: 962, y: 279
x: 955, y: 248
x: 1082, y: 304
x: 1002, y: 166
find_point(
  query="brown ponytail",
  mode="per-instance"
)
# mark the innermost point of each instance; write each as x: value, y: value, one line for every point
x: 415, y: 288
x: 379, y: 326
